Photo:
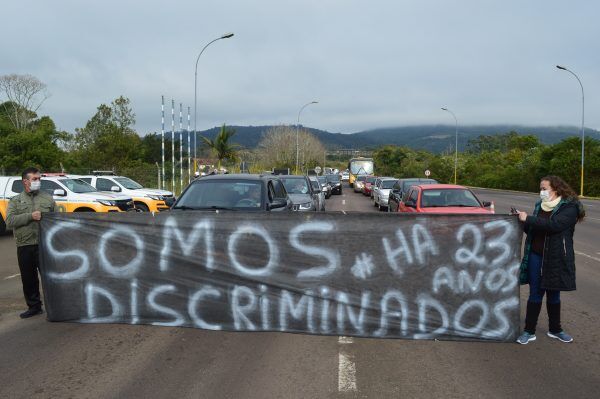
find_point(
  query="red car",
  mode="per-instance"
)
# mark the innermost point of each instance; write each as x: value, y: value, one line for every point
x: 442, y: 198
x: 368, y: 186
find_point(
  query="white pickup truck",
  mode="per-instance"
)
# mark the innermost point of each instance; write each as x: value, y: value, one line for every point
x: 71, y: 195
x: 145, y: 199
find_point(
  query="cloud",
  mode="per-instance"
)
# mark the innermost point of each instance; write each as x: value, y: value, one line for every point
x: 381, y: 63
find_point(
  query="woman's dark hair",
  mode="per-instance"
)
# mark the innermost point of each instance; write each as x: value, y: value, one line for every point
x: 565, y: 191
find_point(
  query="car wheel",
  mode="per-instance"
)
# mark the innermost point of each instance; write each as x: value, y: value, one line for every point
x: 142, y: 207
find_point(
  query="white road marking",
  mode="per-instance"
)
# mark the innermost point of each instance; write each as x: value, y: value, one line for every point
x: 344, y: 212
x: 13, y: 276
x: 343, y: 202
x: 588, y: 256
x: 346, y: 373
x: 346, y: 367
x: 345, y: 340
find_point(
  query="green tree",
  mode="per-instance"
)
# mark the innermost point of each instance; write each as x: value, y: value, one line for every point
x: 38, y: 145
x: 221, y: 147
x: 108, y: 138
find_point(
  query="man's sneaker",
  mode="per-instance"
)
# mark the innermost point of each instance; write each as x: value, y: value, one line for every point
x: 561, y: 336
x: 525, y: 338
x: 30, y: 313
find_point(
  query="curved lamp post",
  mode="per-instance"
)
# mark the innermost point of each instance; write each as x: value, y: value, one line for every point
x: 455, y: 142
x: 582, y: 121
x: 225, y: 36
x: 298, y: 131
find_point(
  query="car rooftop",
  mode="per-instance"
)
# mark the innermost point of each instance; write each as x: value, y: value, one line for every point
x: 235, y: 176
x: 439, y: 186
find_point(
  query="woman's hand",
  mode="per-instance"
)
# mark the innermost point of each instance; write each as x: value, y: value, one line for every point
x: 522, y: 216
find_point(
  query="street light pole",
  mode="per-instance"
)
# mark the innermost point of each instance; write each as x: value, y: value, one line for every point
x: 582, y: 122
x: 455, y: 142
x: 225, y: 36
x: 298, y: 131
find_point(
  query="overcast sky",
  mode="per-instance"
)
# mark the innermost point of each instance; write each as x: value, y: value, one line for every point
x: 369, y: 64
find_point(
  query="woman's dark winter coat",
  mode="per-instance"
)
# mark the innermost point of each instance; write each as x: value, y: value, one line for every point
x: 558, y: 267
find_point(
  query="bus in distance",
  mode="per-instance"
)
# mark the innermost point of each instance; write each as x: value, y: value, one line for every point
x: 359, y: 166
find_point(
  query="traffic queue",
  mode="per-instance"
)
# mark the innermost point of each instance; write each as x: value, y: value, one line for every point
x: 419, y: 195
x: 107, y: 192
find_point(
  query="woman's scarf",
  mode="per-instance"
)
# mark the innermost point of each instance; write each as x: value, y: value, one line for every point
x: 549, y: 206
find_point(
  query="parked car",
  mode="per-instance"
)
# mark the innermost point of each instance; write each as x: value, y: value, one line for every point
x: 359, y: 183
x: 366, y: 190
x: 301, y: 193
x: 345, y: 176
x: 400, y: 190
x: 318, y: 188
x: 71, y: 195
x: 443, y: 198
x: 240, y: 192
x: 145, y: 199
x: 326, y: 186
x: 383, y: 192
x: 336, y: 184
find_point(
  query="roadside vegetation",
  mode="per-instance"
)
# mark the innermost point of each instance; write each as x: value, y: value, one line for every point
x: 109, y: 141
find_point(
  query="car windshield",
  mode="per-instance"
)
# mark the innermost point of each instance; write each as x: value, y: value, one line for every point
x: 387, y: 184
x: 333, y: 178
x: 323, y: 179
x: 448, y: 197
x: 315, y: 184
x: 222, y: 194
x: 371, y: 179
x: 128, y: 183
x: 361, y: 167
x: 361, y: 178
x: 295, y: 185
x: 78, y: 186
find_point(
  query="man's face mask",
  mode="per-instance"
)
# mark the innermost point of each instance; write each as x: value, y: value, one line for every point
x: 35, y: 185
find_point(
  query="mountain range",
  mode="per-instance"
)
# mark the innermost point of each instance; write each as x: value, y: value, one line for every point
x: 434, y: 138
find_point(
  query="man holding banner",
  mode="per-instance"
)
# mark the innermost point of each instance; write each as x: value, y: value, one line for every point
x: 23, y: 215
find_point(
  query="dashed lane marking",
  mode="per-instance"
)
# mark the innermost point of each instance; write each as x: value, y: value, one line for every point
x: 343, y: 202
x: 345, y: 340
x: 346, y: 374
x: 13, y: 276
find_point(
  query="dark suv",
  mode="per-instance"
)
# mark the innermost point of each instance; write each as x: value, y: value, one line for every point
x: 240, y: 192
x: 335, y: 182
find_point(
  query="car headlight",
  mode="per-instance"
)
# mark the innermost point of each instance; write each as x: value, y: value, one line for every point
x: 106, y: 202
x: 154, y: 197
x: 306, y: 205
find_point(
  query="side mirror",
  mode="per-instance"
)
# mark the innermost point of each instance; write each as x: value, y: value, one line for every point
x: 59, y: 192
x: 278, y: 203
x: 486, y: 204
x: 410, y: 204
x: 115, y: 189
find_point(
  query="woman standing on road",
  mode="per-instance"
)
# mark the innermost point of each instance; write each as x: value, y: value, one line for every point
x: 548, y: 264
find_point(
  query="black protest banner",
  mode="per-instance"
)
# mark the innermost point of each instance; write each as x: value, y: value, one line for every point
x: 369, y: 275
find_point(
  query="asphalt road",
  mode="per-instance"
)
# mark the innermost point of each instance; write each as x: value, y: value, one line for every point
x: 48, y: 360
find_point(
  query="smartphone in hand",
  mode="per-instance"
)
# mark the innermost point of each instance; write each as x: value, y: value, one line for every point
x: 514, y: 211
